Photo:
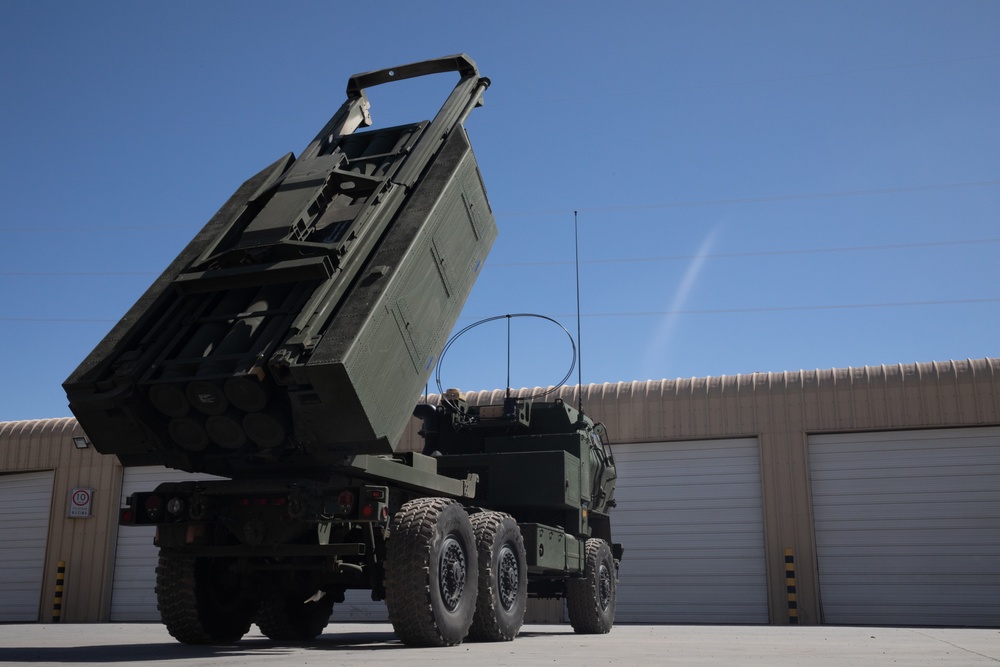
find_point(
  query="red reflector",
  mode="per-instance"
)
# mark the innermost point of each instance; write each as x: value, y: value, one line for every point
x: 376, y: 494
x: 261, y: 501
x: 367, y: 511
x: 127, y: 516
x: 245, y: 502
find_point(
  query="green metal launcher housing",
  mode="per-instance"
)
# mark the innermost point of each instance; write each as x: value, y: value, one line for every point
x: 301, y: 323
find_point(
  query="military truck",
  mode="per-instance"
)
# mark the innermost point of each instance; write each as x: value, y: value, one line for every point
x: 284, y: 350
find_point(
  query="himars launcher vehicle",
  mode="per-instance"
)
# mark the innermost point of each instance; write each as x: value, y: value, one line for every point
x: 284, y: 349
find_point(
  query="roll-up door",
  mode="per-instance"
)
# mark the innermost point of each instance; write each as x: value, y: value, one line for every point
x: 908, y: 526
x: 691, y: 520
x: 25, y: 501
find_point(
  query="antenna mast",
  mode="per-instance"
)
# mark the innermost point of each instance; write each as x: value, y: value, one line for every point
x: 579, y: 340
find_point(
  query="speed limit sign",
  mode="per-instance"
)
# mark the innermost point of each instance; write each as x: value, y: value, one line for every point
x: 80, y: 503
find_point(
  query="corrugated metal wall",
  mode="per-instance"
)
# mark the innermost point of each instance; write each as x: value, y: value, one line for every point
x: 867, y: 398
x: 779, y: 409
x: 85, y: 544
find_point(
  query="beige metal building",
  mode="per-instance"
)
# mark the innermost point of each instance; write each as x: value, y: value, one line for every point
x: 850, y: 496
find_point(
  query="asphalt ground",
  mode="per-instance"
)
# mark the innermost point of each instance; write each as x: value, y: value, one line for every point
x: 149, y: 645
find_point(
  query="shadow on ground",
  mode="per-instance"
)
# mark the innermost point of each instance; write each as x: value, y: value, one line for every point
x: 112, y: 653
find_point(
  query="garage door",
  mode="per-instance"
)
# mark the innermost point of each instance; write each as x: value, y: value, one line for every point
x: 908, y: 526
x: 691, y: 520
x: 133, y: 597
x: 25, y: 500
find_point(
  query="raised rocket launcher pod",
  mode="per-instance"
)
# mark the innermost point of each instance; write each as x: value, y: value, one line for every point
x: 302, y: 321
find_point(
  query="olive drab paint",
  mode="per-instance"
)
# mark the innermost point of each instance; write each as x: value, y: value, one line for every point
x: 303, y: 320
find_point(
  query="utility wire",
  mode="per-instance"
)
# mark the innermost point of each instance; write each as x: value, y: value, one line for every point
x: 44, y: 229
x: 781, y: 309
x: 751, y: 253
x: 80, y: 274
x: 646, y: 313
x: 750, y: 200
x: 510, y: 102
x: 614, y: 260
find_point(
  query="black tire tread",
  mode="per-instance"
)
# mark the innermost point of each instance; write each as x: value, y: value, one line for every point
x: 184, y: 616
x: 407, y: 575
x: 486, y: 625
x: 284, y: 618
x: 582, y: 595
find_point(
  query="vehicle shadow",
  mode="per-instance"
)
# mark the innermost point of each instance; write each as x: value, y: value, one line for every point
x: 165, y: 651
x: 253, y: 645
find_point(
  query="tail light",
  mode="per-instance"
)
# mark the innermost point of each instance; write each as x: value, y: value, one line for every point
x: 153, y: 508
x: 374, y: 503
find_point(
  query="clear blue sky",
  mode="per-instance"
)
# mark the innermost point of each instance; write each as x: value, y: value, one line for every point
x: 761, y: 186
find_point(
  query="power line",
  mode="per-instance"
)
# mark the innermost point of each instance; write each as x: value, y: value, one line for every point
x: 749, y: 82
x: 864, y: 70
x: 782, y: 309
x: 754, y: 253
x: 42, y: 229
x: 80, y: 274
x: 647, y: 313
x: 59, y: 320
x: 614, y: 260
x: 749, y: 200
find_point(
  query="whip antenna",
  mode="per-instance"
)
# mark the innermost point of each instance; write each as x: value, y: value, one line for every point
x: 579, y: 340
x: 507, y: 395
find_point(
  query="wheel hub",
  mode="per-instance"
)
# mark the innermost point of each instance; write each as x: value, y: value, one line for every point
x: 507, y: 578
x: 604, y: 587
x: 452, y: 572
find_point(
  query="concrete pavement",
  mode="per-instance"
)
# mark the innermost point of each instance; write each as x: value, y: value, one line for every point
x: 149, y: 645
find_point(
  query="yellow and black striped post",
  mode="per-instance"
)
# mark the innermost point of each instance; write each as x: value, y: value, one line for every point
x: 790, y: 588
x: 60, y: 579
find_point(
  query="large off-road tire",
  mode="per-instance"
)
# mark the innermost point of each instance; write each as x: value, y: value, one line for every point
x: 590, y: 599
x: 431, y: 572
x: 503, y: 578
x: 288, y: 617
x: 200, y: 600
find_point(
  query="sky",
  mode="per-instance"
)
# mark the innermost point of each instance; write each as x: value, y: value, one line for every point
x: 753, y: 186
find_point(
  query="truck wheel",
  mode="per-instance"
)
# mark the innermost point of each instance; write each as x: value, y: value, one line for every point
x: 503, y: 578
x: 284, y: 617
x: 431, y: 572
x: 200, y: 600
x: 591, y: 598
